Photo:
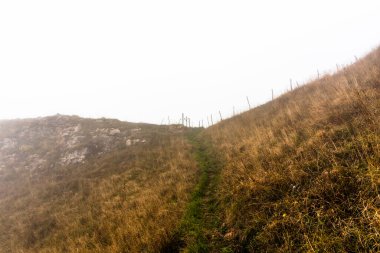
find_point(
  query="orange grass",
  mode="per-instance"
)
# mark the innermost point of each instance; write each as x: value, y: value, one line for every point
x: 129, y: 200
x: 302, y: 173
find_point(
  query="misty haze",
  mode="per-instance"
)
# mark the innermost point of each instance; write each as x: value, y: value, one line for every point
x: 202, y: 126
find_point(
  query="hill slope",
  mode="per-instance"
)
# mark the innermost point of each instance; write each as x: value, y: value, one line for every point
x: 69, y: 184
x: 302, y: 173
x: 298, y: 174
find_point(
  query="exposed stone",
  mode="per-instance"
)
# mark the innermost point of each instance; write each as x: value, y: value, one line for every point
x: 114, y: 131
x: 75, y: 157
x: 7, y: 143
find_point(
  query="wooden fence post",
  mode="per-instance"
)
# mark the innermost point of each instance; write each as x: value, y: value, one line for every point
x: 249, y: 105
x: 220, y: 116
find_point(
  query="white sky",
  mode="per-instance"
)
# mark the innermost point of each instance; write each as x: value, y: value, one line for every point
x: 143, y: 61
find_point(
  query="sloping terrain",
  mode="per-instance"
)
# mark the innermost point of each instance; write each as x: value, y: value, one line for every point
x: 61, y: 140
x: 298, y: 174
x: 69, y: 184
x: 302, y: 173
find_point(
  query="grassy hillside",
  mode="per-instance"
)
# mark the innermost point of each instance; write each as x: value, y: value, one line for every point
x: 122, y: 195
x: 302, y: 173
x: 298, y: 174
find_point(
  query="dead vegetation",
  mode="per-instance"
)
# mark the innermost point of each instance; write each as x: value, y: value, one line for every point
x: 298, y: 174
x: 127, y: 200
x: 302, y: 173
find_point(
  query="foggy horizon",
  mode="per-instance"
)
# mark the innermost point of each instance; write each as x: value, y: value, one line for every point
x: 148, y: 61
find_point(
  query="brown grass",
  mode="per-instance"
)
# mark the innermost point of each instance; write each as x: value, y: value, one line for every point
x: 302, y: 173
x: 299, y: 174
x: 129, y: 200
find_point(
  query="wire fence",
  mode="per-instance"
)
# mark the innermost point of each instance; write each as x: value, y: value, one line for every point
x: 216, y: 117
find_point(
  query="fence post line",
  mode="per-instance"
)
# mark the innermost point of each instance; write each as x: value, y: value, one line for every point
x: 212, y: 122
x: 220, y: 116
x: 208, y: 122
x: 272, y: 94
x: 249, y: 104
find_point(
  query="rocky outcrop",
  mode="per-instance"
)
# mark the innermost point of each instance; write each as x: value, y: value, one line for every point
x: 61, y: 140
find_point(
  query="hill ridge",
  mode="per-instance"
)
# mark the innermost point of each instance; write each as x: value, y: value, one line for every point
x: 297, y: 174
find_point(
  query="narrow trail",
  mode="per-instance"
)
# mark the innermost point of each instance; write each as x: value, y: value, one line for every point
x: 201, y: 229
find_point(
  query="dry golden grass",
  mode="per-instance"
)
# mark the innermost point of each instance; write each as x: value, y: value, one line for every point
x: 302, y: 173
x: 129, y: 200
x: 299, y: 174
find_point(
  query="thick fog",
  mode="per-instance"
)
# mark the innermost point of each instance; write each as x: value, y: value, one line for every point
x: 151, y: 61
